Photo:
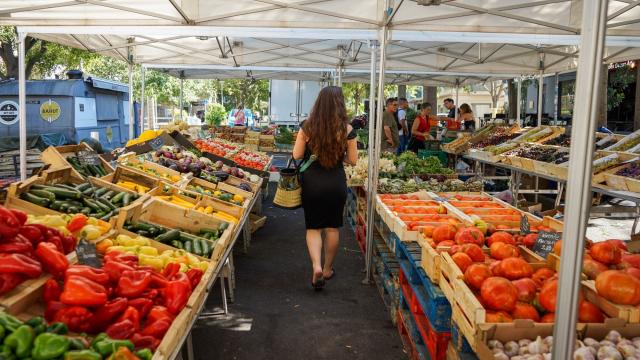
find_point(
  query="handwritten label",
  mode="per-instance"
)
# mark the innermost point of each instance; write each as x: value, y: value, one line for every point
x: 87, y: 254
x: 88, y: 158
x: 525, y: 227
x: 156, y: 143
x: 544, y: 242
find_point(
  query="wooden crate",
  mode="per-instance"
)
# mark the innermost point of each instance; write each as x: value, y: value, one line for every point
x: 10, y: 163
x: 57, y: 157
x: 219, y: 205
x: 633, y: 185
x: 161, y: 173
x: 127, y: 174
x: 616, y: 181
x: 257, y: 222
x: 219, y: 186
x: 485, y: 156
x: 430, y: 260
x: 555, y: 170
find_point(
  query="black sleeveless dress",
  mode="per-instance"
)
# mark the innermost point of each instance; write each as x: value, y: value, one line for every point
x: 324, y: 193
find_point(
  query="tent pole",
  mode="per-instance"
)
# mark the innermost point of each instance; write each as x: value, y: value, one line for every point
x: 22, y: 105
x: 457, y: 106
x: 181, y: 92
x: 594, y: 20
x: 131, y: 113
x: 373, y: 146
x: 519, y: 102
x: 340, y: 76
x: 540, y: 88
x: 142, y: 101
x: 556, y: 87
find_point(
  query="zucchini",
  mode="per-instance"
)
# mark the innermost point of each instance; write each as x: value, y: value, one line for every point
x: 223, y: 226
x: 109, y: 194
x: 188, y: 246
x: 143, y: 233
x: 117, y: 198
x: 82, y: 187
x: 102, y: 206
x: 176, y: 244
x: 143, y: 226
x: 126, y: 199
x: 101, y: 191
x: 89, y: 191
x: 106, y: 203
x: 35, y: 199
x: 101, y: 170
x: 73, y: 210
x: 65, y: 186
x: 63, y: 208
x: 39, y: 187
x: 197, y: 247
x: 85, y: 210
x: 92, y: 204
x: 186, y: 236
x: 56, y: 205
x: 207, y: 232
x: 77, y: 204
x: 44, y: 194
x: 206, y: 248
x: 107, y: 216
x: 65, y: 193
x: 169, y: 236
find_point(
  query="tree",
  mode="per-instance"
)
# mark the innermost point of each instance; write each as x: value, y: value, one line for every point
x: 354, y: 93
x: 247, y: 92
x: 215, y: 115
x: 619, y: 81
x: 495, y: 89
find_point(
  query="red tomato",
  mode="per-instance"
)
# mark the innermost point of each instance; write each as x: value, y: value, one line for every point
x: 462, y: 260
x: 501, y: 236
x: 474, y: 251
x: 501, y: 251
x: 514, y: 268
x: 497, y: 317
x: 606, y: 252
x: 476, y: 274
x: 618, y: 287
x: 499, y: 293
x: 593, y: 268
x: 548, y: 295
x: 548, y: 318
x: 542, y: 275
x: 526, y: 289
x: 589, y: 313
x: 470, y: 235
x: 525, y: 311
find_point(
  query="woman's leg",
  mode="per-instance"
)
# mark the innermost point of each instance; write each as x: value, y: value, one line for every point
x: 314, y: 243
x: 331, y: 244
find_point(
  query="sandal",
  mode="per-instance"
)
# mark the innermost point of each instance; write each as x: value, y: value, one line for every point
x: 319, y: 284
x: 333, y: 273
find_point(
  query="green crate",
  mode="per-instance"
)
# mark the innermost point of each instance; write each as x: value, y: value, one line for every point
x: 441, y: 155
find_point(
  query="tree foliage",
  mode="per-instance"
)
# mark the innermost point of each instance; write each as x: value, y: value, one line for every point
x: 215, y: 114
x: 619, y: 81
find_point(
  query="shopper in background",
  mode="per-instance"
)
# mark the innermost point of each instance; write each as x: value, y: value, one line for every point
x: 453, y: 124
x: 466, y: 117
x: 323, y: 140
x: 239, y: 119
x: 390, y: 136
x: 403, y: 131
x: 410, y: 114
x: 451, y: 106
x: 421, y: 127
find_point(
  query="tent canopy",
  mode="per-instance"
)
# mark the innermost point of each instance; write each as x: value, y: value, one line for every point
x: 510, y: 36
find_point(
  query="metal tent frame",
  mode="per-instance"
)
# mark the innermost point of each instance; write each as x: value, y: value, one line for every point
x: 508, y: 36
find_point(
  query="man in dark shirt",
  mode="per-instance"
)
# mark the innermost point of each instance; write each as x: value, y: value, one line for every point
x: 451, y: 106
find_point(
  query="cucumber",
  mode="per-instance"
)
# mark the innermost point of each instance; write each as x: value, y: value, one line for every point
x: 169, y: 236
x: 197, y: 247
x: 143, y: 226
x: 206, y: 248
x: 106, y: 203
x: 89, y: 191
x: 35, y: 199
x: 65, y: 186
x: 44, y: 194
x: 77, y: 204
x: 82, y: 187
x: 143, y: 233
x: 56, y: 205
x: 209, y: 233
x: 109, y: 194
x: 186, y: 236
x: 101, y: 191
x: 92, y: 204
x: 63, y: 208
x: 85, y: 210
x: 223, y: 226
x: 101, y: 170
x: 73, y: 210
x: 64, y: 193
x: 188, y: 246
x: 107, y: 216
x: 176, y: 244
x: 102, y: 206
x: 117, y: 198
x: 126, y: 199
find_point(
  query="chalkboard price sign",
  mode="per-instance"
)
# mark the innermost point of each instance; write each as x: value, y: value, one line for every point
x: 525, y: 227
x: 544, y: 243
x: 156, y: 143
x: 88, y: 158
x: 87, y: 254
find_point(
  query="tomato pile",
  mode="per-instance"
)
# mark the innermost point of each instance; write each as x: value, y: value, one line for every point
x: 418, y: 214
x: 251, y: 160
x: 216, y: 147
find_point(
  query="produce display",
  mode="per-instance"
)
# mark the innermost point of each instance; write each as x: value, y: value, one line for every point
x: 541, y: 153
x: 501, y: 148
x: 627, y: 143
x: 200, y: 244
x: 85, y: 198
x: 217, y: 147
x: 234, y: 152
x: 218, y: 194
x: 409, y: 163
x: 87, y: 169
x: 140, y: 189
x: 606, y: 163
x: 172, y: 178
x: 257, y: 161
x: 79, y: 225
x: 400, y: 186
x: 357, y: 175
x: 536, y: 134
x: 632, y: 170
x: 562, y: 140
x: 29, y: 250
x: 498, y: 136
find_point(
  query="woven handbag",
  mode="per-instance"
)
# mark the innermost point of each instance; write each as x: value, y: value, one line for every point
x: 289, y: 192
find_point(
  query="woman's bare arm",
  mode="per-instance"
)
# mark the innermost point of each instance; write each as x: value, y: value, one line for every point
x: 300, y: 146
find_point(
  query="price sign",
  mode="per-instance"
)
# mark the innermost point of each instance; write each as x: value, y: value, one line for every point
x: 156, y: 143
x: 88, y: 158
x: 544, y: 243
x: 87, y: 254
x: 440, y: 199
x: 525, y: 227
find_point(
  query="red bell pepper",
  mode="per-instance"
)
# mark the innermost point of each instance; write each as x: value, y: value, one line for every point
x: 145, y: 342
x: 106, y: 314
x: 83, y: 292
x: 157, y: 313
x: 52, y: 308
x: 142, y: 305
x: 21, y: 216
x: 69, y: 243
x: 9, y: 224
x: 170, y: 270
x: 88, y: 272
x: 158, y: 281
x: 51, y: 291
x: 19, y: 244
x: 77, y: 222
x: 121, y: 330
x: 19, y: 264
x: 157, y: 329
x: 115, y: 269
x: 76, y: 318
x: 133, y: 283
x: 177, y: 292
x: 9, y: 281
x: 32, y: 233
x: 55, y: 240
x: 194, y: 275
x: 131, y: 314
x: 54, y: 261
x: 150, y: 294
x: 129, y: 259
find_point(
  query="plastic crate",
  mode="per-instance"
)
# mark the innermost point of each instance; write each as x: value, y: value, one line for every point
x: 460, y: 343
x: 432, y: 145
x: 441, y: 155
x: 410, y: 335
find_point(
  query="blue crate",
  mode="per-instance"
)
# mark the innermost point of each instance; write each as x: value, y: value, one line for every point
x: 431, y: 298
x: 461, y: 344
x: 393, y: 241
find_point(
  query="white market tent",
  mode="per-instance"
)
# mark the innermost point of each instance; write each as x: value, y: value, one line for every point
x: 488, y: 37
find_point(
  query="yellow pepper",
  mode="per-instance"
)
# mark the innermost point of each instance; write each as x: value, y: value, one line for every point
x: 202, y: 265
x: 148, y: 250
x: 116, y: 248
x: 155, y: 262
x: 183, y: 267
x: 91, y: 232
x: 103, y: 246
x: 208, y: 210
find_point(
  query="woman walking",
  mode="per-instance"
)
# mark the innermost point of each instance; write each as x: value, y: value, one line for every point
x: 324, y: 139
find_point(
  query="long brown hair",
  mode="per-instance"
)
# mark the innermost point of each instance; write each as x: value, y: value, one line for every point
x: 326, y: 127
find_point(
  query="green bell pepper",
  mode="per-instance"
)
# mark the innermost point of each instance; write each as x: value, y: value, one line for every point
x: 21, y: 340
x: 50, y: 346
x: 107, y: 346
x: 78, y: 343
x: 82, y: 355
x: 144, y: 354
x: 58, y: 328
x: 2, y: 333
x: 9, y: 322
x: 38, y: 323
x: 6, y: 353
x: 99, y: 338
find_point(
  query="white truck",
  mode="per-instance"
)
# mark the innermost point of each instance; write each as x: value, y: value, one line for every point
x: 291, y: 100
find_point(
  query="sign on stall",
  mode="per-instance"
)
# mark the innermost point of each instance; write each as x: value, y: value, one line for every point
x: 544, y: 242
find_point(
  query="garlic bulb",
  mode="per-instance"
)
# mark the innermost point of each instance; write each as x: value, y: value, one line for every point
x: 613, y: 336
x: 609, y: 352
x: 511, y: 348
x: 583, y: 353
